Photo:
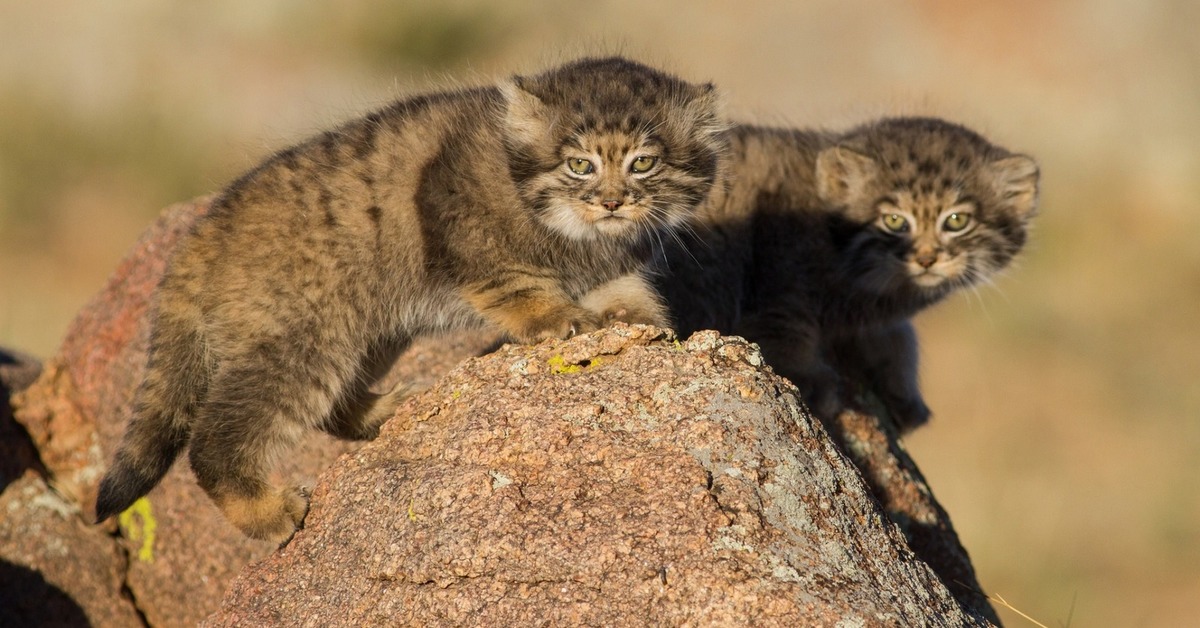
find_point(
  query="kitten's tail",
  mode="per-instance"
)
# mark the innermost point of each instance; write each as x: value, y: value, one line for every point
x: 176, y: 379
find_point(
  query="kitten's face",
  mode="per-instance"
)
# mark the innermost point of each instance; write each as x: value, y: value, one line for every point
x: 608, y: 148
x: 939, y: 207
x: 936, y: 238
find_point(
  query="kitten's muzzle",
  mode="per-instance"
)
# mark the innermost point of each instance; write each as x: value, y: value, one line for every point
x: 611, y: 205
x: 926, y: 258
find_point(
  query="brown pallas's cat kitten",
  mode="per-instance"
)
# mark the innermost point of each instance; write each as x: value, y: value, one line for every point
x: 500, y: 205
x: 824, y: 245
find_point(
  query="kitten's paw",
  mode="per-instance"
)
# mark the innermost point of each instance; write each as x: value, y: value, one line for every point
x: 296, y: 501
x: 820, y: 390
x: 910, y: 414
x: 634, y: 316
x: 565, y: 323
x: 272, y: 516
x: 825, y: 403
x: 628, y: 299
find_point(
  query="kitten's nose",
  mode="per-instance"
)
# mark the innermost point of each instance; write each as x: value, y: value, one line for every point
x: 611, y: 205
x: 926, y: 258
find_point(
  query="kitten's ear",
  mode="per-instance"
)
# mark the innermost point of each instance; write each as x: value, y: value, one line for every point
x: 707, y: 110
x: 703, y: 115
x: 1016, y: 181
x: 528, y: 118
x: 843, y: 174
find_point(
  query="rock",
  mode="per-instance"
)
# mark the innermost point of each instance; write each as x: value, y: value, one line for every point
x: 618, y: 478
x: 181, y: 553
x: 55, y: 570
x: 872, y: 444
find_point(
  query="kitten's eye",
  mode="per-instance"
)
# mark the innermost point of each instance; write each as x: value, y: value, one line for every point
x: 643, y: 163
x: 957, y: 221
x: 895, y: 223
x: 580, y: 166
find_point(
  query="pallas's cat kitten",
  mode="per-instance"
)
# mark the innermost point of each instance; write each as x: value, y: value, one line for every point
x: 498, y: 206
x: 826, y: 244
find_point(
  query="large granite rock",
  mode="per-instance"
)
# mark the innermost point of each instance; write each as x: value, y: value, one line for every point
x: 619, y: 478
x: 54, y: 569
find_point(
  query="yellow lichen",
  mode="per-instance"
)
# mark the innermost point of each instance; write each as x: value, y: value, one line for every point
x: 145, y: 531
x: 558, y: 365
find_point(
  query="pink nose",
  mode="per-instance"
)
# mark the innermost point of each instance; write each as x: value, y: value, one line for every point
x: 611, y: 205
x: 926, y: 258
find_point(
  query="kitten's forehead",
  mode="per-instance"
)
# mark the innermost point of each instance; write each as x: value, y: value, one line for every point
x: 612, y: 93
x: 611, y: 141
x: 936, y: 160
x: 932, y: 200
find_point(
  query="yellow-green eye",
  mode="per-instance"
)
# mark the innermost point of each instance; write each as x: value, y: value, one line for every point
x: 643, y: 163
x: 957, y: 221
x: 895, y: 223
x: 580, y: 166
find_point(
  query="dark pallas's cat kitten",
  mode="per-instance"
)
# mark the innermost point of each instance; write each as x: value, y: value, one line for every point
x: 824, y: 245
x: 500, y: 205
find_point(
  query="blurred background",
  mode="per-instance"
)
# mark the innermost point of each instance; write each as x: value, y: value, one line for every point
x: 1065, y: 440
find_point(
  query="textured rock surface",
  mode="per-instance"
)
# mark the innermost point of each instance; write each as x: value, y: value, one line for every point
x: 897, y: 483
x: 612, y: 479
x: 54, y: 569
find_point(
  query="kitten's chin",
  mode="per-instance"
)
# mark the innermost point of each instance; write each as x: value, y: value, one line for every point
x: 928, y: 279
x: 583, y: 222
x: 614, y: 226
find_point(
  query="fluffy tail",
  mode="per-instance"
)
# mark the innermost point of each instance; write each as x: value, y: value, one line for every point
x: 176, y: 379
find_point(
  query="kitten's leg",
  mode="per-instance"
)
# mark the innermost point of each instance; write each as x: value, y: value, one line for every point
x: 530, y: 305
x: 360, y: 412
x: 258, y: 406
x: 886, y: 360
x: 629, y: 299
x: 791, y: 344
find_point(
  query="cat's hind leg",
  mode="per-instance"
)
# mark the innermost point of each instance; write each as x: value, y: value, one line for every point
x: 257, y: 407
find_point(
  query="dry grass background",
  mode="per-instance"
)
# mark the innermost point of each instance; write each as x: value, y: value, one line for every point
x: 1066, y: 436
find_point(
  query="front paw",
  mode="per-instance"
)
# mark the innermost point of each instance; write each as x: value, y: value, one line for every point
x: 562, y: 324
x: 910, y: 414
x: 634, y: 316
x: 820, y: 389
x: 824, y: 400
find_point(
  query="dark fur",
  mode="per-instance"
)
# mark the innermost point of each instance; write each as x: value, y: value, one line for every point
x: 445, y: 211
x: 794, y: 257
